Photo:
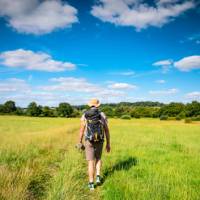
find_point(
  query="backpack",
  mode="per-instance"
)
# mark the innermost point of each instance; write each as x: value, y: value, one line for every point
x: 95, y: 130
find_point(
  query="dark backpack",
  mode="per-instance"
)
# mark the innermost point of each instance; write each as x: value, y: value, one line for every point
x: 95, y: 131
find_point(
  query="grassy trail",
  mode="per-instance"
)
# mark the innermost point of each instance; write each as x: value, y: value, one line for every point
x: 39, y: 161
x: 150, y: 160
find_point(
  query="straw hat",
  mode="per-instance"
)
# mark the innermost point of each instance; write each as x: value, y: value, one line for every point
x: 94, y: 102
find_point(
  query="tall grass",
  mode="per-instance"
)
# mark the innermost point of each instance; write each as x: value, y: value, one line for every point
x: 150, y: 159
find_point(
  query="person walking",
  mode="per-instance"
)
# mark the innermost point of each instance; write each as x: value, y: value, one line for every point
x: 94, y: 127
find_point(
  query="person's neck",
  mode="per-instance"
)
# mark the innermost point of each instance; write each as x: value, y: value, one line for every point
x: 93, y: 107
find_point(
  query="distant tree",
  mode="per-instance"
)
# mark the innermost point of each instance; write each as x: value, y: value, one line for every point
x: 47, y: 111
x: 172, y: 109
x: 33, y: 109
x: 19, y: 111
x: 192, y: 109
x: 119, y: 111
x: 144, y: 111
x: 1, y: 108
x: 9, y: 107
x: 181, y: 115
x: 134, y: 113
x: 155, y: 112
x: 164, y: 117
x: 82, y: 107
x: 76, y: 113
x: 142, y: 103
x: 108, y: 111
x: 65, y: 110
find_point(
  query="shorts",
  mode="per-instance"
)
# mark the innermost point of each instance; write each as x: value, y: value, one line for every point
x: 93, y: 150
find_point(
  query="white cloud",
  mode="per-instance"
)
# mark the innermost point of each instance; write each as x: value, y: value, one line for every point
x: 185, y: 64
x: 84, y: 88
x: 122, y: 86
x: 138, y: 14
x: 62, y: 89
x: 13, y: 85
x: 188, y: 63
x: 163, y: 63
x: 164, y: 92
x: 33, y: 61
x: 193, y: 95
x: 160, y: 81
x: 82, y: 85
x: 71, y: 84
x: 38, y: 17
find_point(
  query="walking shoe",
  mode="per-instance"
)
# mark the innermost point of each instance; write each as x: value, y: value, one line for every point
x: 91, y: 186
x: 98, y: 180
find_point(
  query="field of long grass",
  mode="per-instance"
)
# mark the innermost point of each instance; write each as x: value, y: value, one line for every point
x: 150, y: 159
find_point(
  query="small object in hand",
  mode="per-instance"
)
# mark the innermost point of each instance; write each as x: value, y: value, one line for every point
x: 80, y: 146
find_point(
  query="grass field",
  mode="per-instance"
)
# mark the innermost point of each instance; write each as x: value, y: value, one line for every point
x: 150, y: 159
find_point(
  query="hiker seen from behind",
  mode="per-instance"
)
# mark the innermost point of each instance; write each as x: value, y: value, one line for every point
x: 94, y: 128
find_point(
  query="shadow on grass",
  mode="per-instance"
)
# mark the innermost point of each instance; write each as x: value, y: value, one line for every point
x: 119, y: 166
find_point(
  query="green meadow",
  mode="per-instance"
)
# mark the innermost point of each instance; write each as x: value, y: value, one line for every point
x: 150, y: 160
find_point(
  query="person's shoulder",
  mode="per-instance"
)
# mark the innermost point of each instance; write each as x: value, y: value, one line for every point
x: 103, y: 115
x: 104, y: 118
x: 83, y: 117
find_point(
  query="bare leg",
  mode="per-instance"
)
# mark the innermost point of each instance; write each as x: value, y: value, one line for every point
x: 91, y: 170
x: 98, y: 167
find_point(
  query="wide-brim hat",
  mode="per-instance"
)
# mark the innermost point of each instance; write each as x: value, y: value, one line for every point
x: 94, y: 102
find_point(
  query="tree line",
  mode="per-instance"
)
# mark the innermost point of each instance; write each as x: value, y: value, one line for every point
x: 119, y: 110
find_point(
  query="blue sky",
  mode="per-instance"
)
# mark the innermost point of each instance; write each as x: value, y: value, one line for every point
x: 122, y: 50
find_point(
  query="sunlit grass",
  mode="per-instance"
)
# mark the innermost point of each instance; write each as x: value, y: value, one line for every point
x: 150, y: 159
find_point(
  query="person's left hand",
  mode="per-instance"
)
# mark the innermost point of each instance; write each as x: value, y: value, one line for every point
x: 108, y: 148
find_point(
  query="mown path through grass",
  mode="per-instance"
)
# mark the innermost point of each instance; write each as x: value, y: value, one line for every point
x: 38, y: 163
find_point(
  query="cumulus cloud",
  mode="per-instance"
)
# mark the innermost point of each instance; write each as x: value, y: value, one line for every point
x: 164, y: 64
x: 71, y: 84
x: 139, y: 14
x: 30, y: 60
x: 13, y: 85
x: 38, y: 17
x: 164, y: 92
x: 56, y: 90
x: 188, y: 63
x: 81, y: 86
x: 193, y: 95
x: 122, y: 86
x: 185, y: 64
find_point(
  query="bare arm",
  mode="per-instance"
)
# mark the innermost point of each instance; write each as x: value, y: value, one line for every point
x: 107, y: 133
x: 82, y: 130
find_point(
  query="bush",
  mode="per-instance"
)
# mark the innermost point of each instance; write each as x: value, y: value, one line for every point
x: 125, y: 117
x: 137, y: 116
x: 182, y: 115
x: 196, y: 118
x: 188, y: 120
x: 171, y: 118
x: 164, y: 117
x: 178, y: 117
